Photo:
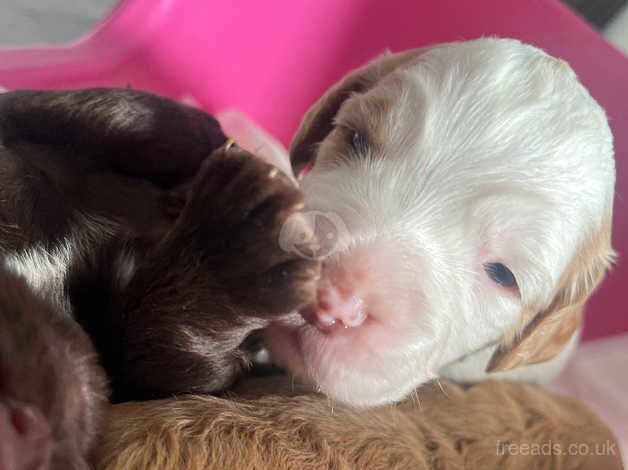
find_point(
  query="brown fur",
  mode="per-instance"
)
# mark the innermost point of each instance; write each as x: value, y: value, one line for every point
x: 167, y: 227
x: 318, y: 121
x: 442, y: 428
x: 171, y: 258
x: 59, y: 374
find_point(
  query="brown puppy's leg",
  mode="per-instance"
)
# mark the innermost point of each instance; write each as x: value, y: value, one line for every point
x: 235, y: 210
x: 195, y: 295
x: 53, y: 393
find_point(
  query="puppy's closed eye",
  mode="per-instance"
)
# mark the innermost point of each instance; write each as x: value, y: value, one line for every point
x: 355, y: 140
x: 359, y: 143
x: 500, y: 274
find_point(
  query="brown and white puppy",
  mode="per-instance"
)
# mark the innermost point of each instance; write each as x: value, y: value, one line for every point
x: 125, y: 216
x: 462, y: 194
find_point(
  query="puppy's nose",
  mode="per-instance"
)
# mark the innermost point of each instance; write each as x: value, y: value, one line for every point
x: 335, y: 307
x: 25, y: 437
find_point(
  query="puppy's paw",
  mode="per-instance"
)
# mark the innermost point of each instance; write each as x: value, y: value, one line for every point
x: 236, y: 210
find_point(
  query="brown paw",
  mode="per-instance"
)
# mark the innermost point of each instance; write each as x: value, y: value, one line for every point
x: 236, y: 208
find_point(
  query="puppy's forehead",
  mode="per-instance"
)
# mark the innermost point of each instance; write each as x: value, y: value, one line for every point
x: 490, y: 111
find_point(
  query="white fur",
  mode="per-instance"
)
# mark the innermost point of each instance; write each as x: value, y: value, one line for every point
x: 45, y: 270
x: 494, y: 152
x: 472, y: 368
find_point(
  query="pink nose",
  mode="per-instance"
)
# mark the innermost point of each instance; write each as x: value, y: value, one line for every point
x: 335, y: 307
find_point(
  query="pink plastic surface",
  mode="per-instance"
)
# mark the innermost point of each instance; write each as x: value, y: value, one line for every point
x: 272, y: 59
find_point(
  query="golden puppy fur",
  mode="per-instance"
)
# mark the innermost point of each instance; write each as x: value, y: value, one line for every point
x: 445, y: 427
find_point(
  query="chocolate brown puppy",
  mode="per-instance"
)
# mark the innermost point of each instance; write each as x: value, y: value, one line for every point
x: 126, y: 219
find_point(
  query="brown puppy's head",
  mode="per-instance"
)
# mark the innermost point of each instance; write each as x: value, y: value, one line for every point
x: 465, y: 192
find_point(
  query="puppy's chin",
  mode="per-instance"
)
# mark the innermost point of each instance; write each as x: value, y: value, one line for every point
x: 348, y: 367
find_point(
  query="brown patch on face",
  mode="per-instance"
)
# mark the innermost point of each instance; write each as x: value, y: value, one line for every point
x: 372, y: 116
x: 540, y: 336
x: 319, y: 121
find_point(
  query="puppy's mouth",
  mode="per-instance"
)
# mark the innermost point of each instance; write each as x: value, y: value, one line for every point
x: 337, y: 321
x: 335, y: 309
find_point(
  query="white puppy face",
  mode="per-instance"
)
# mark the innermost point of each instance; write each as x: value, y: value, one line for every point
x: 475, y: 184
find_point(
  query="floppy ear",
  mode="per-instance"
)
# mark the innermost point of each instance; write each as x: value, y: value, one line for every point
x: 121, y: 130
x: 318, y: 121
x: 550, y: 330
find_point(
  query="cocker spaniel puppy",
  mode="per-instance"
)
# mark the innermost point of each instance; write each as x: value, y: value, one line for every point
x: 462, y: 195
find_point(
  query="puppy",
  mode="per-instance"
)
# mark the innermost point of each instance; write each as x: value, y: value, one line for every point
x: 491, y: 425
x: 125, y: 218
x: 462, y: 194
x: 53, y: 391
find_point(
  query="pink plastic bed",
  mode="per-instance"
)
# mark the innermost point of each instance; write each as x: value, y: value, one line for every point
x: 272, y: 59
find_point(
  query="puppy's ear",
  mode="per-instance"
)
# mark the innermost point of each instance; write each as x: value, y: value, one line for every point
x: 318, y: 121
x: 550, y: 330
x: 120, y: 130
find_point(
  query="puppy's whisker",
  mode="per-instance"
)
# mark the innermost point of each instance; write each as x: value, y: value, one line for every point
x: 442, y: 389
x: 416, y: 399
x: 330, y: 403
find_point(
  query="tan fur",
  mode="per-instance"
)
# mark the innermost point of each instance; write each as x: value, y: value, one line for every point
x: 538, y: 338
x: 442, y: 428
x: 318, y: 121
